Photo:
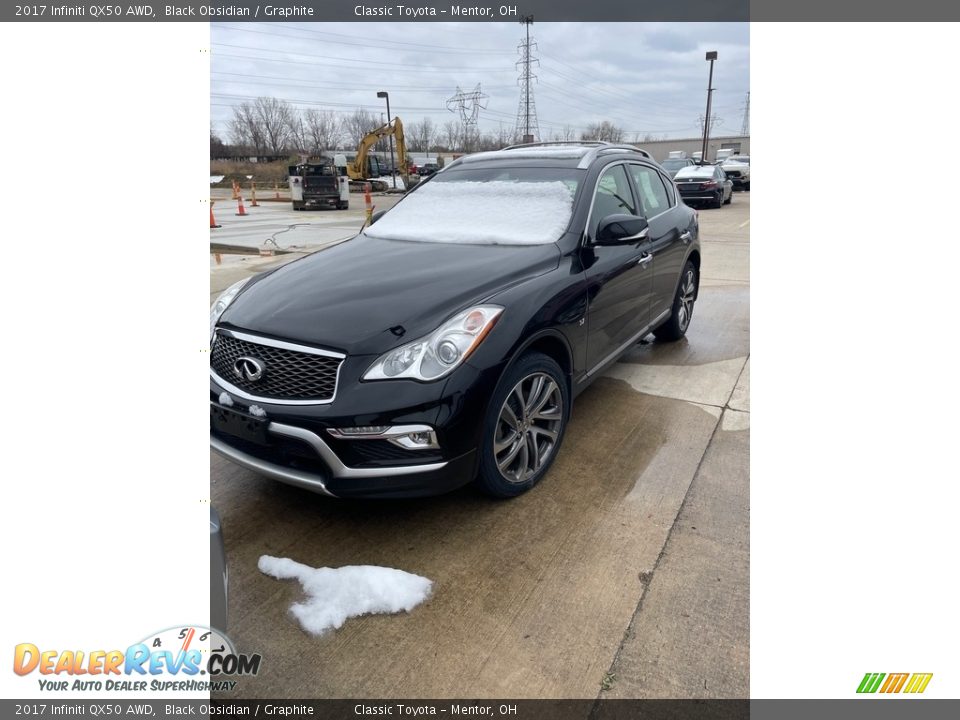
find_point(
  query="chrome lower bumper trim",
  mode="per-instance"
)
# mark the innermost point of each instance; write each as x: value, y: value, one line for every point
x: 329, y: 457
x: 276, y: 472
x: 340, y: 470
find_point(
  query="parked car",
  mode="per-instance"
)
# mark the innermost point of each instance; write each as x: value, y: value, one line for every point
x: 428, y: 169
x: 674, y: 165
x: 448, y: 340
x: 737, y: 168
x: 705, y: 184
x: 219, y: 577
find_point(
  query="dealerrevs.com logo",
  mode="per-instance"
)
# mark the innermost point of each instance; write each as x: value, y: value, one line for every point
x: 181, y: 659
x: 911, y: 683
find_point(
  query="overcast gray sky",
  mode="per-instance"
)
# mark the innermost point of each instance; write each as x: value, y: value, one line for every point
x: 644, y: 77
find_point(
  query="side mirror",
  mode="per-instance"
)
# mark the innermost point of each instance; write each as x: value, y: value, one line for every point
x: 377, y: 215
x: 621, y: 229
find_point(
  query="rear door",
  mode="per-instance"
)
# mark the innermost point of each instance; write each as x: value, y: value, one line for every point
x: 659, y: 204
x: 619, y: 277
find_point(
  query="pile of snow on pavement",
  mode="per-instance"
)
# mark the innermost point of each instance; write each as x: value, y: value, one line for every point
x: 336, y: 594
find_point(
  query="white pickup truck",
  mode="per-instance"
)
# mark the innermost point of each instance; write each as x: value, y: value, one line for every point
x: 737, y: 168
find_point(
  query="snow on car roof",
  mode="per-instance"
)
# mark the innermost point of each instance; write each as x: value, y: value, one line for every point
x: 556, y: 152
x: 480, y: 213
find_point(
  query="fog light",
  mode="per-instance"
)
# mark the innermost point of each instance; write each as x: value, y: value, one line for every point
x: 422, y: 440
x: 409, y: 437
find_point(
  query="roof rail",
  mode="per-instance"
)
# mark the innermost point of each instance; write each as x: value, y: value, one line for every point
x: 607, y: 148
x: 574, y: 143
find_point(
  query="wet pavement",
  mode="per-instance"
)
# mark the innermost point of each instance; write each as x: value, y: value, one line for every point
x: 629, y: 561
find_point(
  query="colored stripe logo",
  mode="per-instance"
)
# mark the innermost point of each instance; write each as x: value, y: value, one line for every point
x: 894, y: 682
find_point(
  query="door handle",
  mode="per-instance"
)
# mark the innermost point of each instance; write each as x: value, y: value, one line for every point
x: 644, y: 259
x: 686, y: 236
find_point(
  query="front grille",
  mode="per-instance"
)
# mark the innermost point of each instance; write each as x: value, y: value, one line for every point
x: 733, y: 173
x: 287, y: 374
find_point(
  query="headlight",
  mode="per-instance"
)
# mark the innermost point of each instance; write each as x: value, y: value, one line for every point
x: 438, y: 354
x: 226, y: 297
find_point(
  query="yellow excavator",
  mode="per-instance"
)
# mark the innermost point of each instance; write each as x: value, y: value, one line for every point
x: 358, y: 169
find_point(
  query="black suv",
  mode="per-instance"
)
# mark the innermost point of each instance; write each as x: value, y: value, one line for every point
x: 447, y: 341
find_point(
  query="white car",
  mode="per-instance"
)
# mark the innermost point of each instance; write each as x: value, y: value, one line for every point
x: 737, y: 168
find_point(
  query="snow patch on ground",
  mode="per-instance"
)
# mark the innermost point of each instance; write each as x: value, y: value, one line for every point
x: 225, y: 400
x: 480, y: 213
x: 336, y: 594
x: 257, y: 411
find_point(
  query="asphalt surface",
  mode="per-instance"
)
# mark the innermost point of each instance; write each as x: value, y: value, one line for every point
x: 624, y: 573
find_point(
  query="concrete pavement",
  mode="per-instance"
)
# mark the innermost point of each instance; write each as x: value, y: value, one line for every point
x: 628, y: 562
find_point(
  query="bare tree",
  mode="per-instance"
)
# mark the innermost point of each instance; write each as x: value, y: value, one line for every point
x: 421, y: 135
x: 298, y: 136
x: 605, y: 130
x: 245, y: 132
x: 451, y: 135
x: 273, y: 118
x: 357, y: 124
x: 323, y: 129
x: 568, y: 133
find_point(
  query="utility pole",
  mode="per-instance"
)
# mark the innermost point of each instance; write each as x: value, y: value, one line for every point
x: 745, y: 127
x: 393, y: 176
x: 711, y: 56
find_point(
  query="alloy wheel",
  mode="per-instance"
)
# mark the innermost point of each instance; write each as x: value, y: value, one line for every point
x: 687, y: 291
x: 528, y: 427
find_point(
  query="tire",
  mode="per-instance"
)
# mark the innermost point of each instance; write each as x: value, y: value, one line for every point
x: 682, y: 309
x: 509, y: 425
x: 729, y: 199
x: 718, y: 203
x: 343, y: 205
x: 746, y: 186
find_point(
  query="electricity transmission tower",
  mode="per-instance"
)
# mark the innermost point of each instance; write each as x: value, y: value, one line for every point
x: 527, y: 125
x: 469, y: 105
x: 745, y: 126
x: 714, y: 122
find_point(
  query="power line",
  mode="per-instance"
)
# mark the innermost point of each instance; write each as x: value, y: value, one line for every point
x: 385, y: 40
x: 431, y: 49
x: 392, y: 64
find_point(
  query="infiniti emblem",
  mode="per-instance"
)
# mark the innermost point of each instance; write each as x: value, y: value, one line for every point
x: 248, y: 368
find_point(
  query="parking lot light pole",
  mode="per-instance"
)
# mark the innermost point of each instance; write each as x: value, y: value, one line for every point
x: 393, y: 175
x: 711, y: 56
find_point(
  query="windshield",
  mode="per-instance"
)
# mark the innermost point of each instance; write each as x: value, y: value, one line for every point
x: 485, y: 206
x: 674, y: 164
x: 739, y: 159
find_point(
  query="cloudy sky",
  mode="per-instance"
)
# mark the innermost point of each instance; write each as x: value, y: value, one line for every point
x: 648, y: 78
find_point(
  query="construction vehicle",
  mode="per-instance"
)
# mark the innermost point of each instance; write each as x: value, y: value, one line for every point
x: 359, y: 170
x: 316, y: 185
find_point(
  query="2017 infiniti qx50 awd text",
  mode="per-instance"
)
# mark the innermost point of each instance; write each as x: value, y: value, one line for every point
x: 448, y: 340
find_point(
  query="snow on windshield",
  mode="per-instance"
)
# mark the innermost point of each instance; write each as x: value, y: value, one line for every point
x: 480, y: 213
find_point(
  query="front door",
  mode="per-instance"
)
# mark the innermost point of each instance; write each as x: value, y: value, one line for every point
x: 619, y: 277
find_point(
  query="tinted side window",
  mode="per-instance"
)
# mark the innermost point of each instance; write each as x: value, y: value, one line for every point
x: 671, y: 191
x: 653, y: 195
x: 613, y: 197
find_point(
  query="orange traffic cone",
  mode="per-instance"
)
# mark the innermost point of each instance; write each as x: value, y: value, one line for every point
x: 240, y: 208
x: 213, y: 223
x: 253, y: 195
x: 276, y: 191
x: 236, y: 189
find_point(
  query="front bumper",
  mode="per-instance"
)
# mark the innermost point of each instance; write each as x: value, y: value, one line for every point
x: 301, y: 451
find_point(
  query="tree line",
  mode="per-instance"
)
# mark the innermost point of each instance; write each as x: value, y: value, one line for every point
x: 271, y: 127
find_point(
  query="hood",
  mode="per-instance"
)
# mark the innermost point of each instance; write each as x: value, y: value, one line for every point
x: 367, y: 295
